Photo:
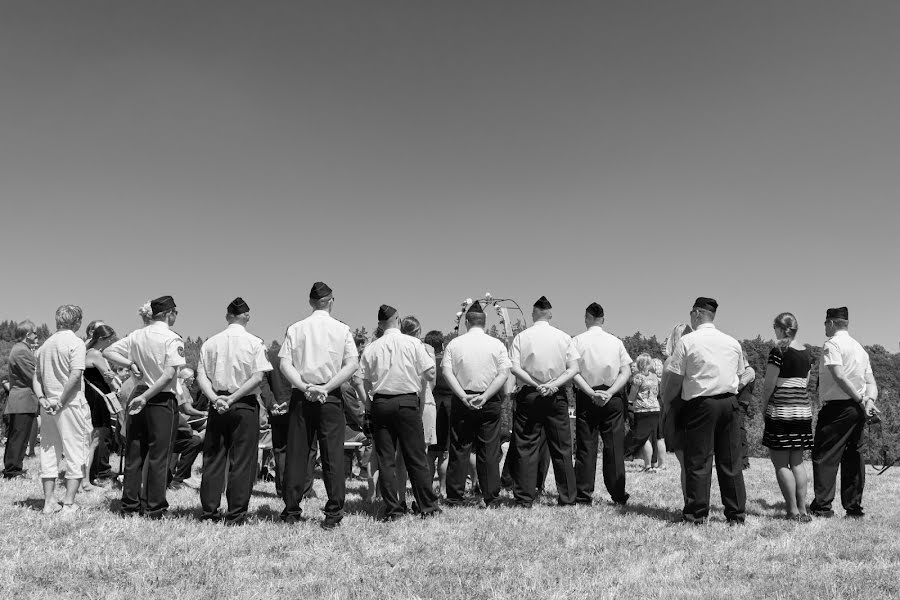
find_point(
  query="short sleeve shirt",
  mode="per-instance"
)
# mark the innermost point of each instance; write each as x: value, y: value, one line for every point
x: 841, y: 349
x: 153, y: 349
x: 62, y: 353
x: 543, y: 351
x: 318, y: 347
x: 395, y: 363
x: 602, y: 356
x: 475, y: 359
x: 710, y: 362
x: 231, y: 357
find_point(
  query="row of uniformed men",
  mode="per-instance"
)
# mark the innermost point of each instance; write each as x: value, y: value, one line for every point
x: 318, y: 355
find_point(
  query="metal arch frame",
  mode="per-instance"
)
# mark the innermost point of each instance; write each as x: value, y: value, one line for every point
x: 496, y: 303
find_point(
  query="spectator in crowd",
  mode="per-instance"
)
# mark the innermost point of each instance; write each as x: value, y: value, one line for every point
x: 658, y: 460
x: 788, y: 414
x: 100, y: 380
x: 673, y: 425
x: 643, y: 400
x: 443, y: 400
x: 65, y: 415
x: 21, y: 404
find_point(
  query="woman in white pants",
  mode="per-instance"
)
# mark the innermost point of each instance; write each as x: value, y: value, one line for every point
x: 65, y: 415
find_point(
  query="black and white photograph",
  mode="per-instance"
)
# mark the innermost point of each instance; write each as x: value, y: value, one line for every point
x: 383, y: 299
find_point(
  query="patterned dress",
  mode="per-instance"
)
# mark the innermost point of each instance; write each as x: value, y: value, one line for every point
x: 788, y: 418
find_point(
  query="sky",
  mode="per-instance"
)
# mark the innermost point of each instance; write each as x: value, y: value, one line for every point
x: 637, y: 154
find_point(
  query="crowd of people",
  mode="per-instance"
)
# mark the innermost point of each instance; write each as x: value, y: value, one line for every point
x: 403, y: 406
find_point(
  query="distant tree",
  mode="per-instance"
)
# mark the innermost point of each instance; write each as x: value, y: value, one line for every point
x: 637, y: 344
x: 361, y: 331
x: 43, y: 332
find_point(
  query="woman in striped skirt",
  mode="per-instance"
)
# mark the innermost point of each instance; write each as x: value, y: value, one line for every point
x: 788, y: 414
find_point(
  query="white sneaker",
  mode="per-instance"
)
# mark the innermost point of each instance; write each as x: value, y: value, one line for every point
x: 69, y: 509
x: 50, y: 509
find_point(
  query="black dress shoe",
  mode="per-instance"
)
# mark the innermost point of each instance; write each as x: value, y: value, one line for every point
x: 330, y: 523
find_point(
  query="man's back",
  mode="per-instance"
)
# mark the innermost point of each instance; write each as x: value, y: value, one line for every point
x: 710, y: 361
x: 318, y: 346
x: 542, y: 351
x: 602, y: 356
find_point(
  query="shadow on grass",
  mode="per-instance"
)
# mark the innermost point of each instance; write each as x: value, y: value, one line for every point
x: 30, y: 503
x: 660, y: 513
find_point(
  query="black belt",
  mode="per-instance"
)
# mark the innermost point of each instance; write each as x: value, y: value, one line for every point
x: 716, y: 397
x: 389, y: 396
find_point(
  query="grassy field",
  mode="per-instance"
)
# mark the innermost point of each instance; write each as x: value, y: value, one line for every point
x: 547, y: 552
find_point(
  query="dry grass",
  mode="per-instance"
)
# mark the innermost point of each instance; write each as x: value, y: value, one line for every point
x: 547, y: 552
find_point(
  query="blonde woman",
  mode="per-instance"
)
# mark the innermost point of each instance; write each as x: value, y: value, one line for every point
x: 788, y: 414
x: 658, y: 459
x: 643, y: 400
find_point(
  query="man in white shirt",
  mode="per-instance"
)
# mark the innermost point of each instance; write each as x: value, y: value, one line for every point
x: 317, y: 356
x: 476, y: 367
x: 706, y: 367
x: 604, y: 369
x: 848, y: 391
x: 154, y: 354
x: 544, y: 359
x: 65, y: 414
x: 393, y: 367
x: 231, y: 367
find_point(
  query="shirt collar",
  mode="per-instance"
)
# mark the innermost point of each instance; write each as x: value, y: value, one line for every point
x: 593, y: 327
x: 321, y: 313
x: 235, y: 326
x: 475, y: 329
x: 841, y: 332
x: 391, y: 331
x: 541, y: 324
x: 159, y: 325
x: 705, y: 326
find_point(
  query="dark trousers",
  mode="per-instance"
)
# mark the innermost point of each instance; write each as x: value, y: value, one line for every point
x: 308, y: 422
x: 607, y: 423
x: 481, y: 429
x: 745, y: 401
x: 839, y: 442
x: 712, y: 428
x: 185, y: 448
x: 541, y: 422
x: 149, y: 441
x: 19, y: 432
x: 396, y: 421
x: 100, y: 467
x: 230, y: 447
x: 509, y: 467
x: 279, y: 425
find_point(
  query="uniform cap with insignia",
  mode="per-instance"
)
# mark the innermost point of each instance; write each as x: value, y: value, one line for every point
x: 706, y: 304
x: 385, y: 312
x: 238, y: 307
x: 319, y: 290
x: 838, y: 313
x: 543, y: 304
x: 161, y: 304
x: 475, y: 308
x: 595, y: 310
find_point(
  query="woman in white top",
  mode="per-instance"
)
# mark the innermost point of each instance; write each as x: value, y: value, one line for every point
x: 643, y: 400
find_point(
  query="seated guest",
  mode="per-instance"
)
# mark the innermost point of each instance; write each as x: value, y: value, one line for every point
x: 788, y: 414
x: 65, y: 416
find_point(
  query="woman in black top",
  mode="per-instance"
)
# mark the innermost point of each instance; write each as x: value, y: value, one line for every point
x: 99, y: 380
x: 788, y: 414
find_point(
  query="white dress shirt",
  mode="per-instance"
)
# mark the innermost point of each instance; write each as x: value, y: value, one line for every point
x: 841, y: 349
x: 231, y: 357
x: 395, y: 363
x: 153, y: 349
x: 318, y: 346
x: 543, y: 351
x: 710, y: 362
x: 475, y: 359
x: 602, y: 356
